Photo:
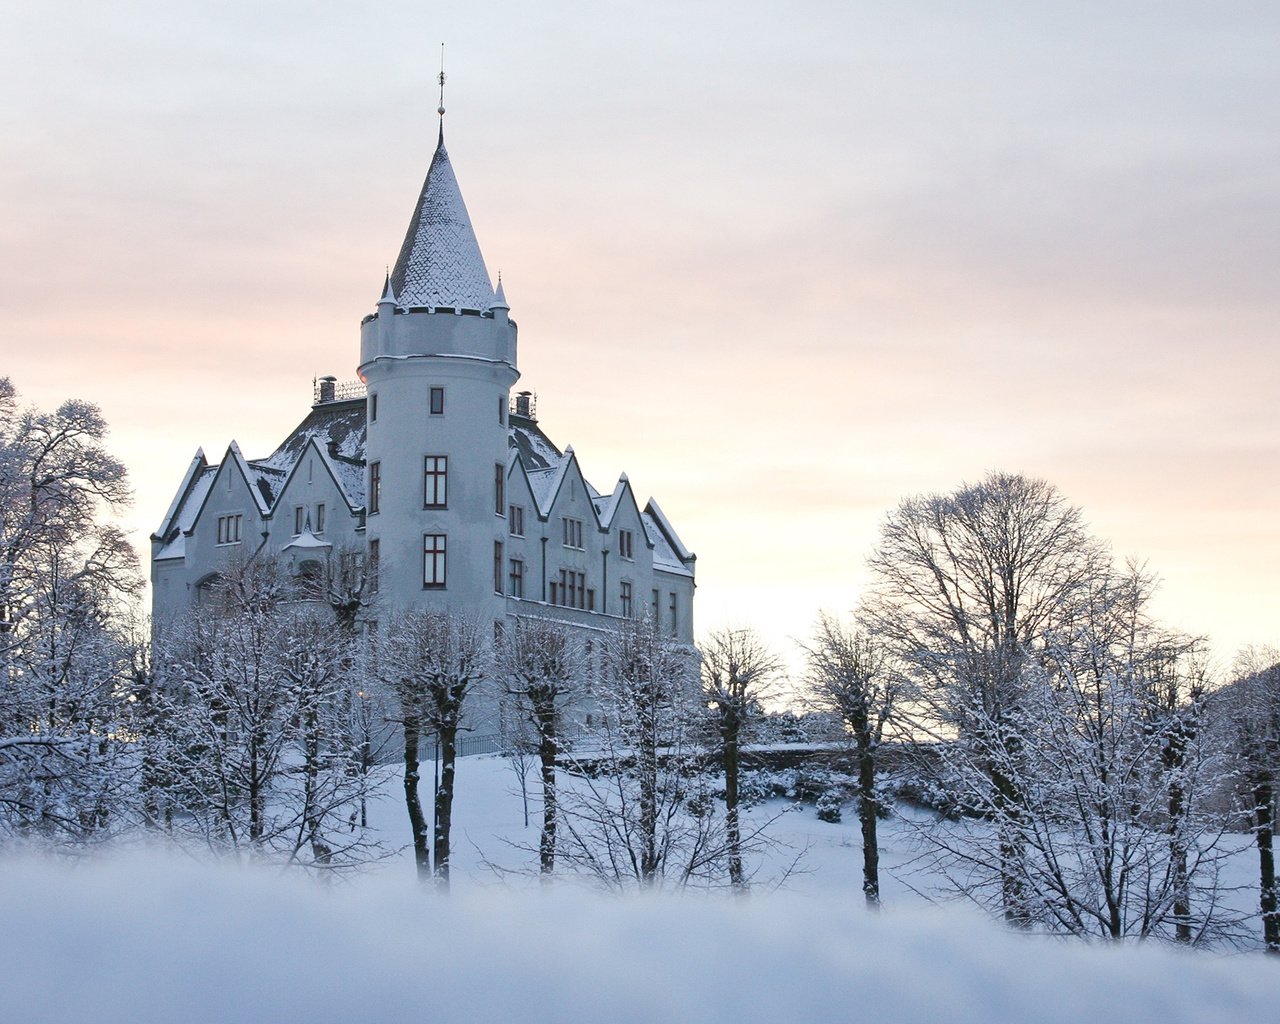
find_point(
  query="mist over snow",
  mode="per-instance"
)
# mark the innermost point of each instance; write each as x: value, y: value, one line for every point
x: 146, y: 937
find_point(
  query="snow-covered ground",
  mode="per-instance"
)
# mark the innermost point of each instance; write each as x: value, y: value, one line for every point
x: 153, y: 936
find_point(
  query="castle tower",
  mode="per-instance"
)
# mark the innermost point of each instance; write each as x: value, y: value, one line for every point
x: 439, y: 360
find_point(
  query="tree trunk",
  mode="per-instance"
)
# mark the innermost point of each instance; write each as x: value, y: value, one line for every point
x: 321, y: 851
x: 1264, y: 833
x: 417, y: 822
x: 548, y: 748
x: 731, y: 736
x: 867, y: 813
x: 647, y: 763
x: 447, y: 737
x: 1175, y: 760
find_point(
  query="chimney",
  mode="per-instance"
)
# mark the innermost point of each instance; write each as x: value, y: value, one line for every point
x: 326, y: 389
x: 526, y: 404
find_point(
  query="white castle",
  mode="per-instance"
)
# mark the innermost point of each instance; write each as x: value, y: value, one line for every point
x: 432, y: 485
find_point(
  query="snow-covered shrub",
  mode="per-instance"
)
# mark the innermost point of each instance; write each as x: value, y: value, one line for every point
x: 828, y: 807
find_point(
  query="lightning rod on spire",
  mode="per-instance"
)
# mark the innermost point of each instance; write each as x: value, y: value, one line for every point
x: 440, y: 109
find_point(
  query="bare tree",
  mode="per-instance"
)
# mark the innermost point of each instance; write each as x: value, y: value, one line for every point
x: 250, y: 726
x: 1252, y: 711
x: 67, y: 583
x: 965, y: 585
x: 433, y: 661
x: 642, y: 813
x: 1112, y: 826
x: 738, y: 670
x: 851, y: 674
x: 541, y: 675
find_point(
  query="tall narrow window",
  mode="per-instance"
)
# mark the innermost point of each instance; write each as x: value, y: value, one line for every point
x: 515, y: 520
x: 320, y: 518
x: 435, y: 481
x: 516, y: 578
x: 572, y: 590
x: 572, y: 532
x: 653, y: 609
x: 433, y: 560
x: 626, y: 598
x: 499, y: 489
x: 502, y: 410
x: 626, y: 544
x: 299, y: 519
x: 375, y: 487
x: 229, y: 528
x: 497, y: 567
x: 375, y: 563
x: 437, y: 401
x: 373, y: 408
x: 675, y: 621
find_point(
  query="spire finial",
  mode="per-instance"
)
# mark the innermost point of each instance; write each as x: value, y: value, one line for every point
x: 440, y: 109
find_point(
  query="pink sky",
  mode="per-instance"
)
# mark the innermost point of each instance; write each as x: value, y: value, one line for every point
x: 783, y: 267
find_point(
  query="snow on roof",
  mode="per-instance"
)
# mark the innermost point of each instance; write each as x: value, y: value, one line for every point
x: 543, y: 484
x: 682, y: 552
x: 196, y: 465
x: 607, y: 505
x: 176, y: 548
x: 307, y: 539
x: 535, y: 448
x: 338, y: 430
x: 664, y: 555
x: 440, y: 262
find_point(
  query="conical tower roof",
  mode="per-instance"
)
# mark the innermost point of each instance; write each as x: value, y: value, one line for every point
x: 440, y: 262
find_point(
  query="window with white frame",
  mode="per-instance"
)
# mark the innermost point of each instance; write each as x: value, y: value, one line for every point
x: 516, y: 578
x: 299, y: 519
x: 515, y: 520
x: 626, y: 544
x: 572, y: 532
x: 320, y: 518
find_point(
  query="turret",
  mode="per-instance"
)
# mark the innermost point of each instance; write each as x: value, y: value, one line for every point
x: 439, y: 360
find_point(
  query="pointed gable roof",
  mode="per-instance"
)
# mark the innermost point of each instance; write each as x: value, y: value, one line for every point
x: 440, y: 262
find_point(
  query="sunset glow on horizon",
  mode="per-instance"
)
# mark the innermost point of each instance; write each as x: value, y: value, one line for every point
x: 784, y: 267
